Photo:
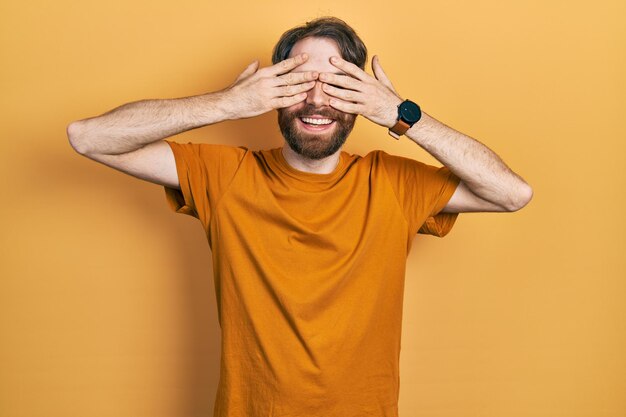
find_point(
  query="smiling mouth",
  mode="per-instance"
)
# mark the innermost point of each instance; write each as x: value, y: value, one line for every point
x: 315, y: 121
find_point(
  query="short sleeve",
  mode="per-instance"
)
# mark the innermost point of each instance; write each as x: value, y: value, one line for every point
x: 422, y: 191
x: 204, y: 174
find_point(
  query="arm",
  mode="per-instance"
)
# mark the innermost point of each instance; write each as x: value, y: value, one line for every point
x: 487, y: 184
x: 134, y: 125
x: 130, y: 137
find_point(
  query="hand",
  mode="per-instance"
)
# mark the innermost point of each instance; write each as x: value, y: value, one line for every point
x: 257, y: 91
x: 358, y: 92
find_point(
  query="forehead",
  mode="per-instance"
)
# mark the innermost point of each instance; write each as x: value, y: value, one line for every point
x: 319, y: 50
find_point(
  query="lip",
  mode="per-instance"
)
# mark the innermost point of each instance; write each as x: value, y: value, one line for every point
x: 315, y: 128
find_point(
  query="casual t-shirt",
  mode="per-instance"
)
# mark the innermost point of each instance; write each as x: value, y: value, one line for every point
x: 309, y: 273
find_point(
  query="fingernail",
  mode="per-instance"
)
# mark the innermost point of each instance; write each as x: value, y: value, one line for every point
x: 334, y: 59
x: 304, y: 56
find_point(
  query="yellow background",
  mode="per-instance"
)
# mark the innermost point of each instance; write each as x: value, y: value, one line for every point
x: 106, y: 296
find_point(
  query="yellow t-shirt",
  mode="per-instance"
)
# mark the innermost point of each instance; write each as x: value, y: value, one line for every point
x: 309, y: 273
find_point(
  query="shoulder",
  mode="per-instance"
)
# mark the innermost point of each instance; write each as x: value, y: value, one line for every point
x: 208, y: 152
x: 395, y: 164
x: 389, y: 159
x: 376, y: 156
x: 209, y: 148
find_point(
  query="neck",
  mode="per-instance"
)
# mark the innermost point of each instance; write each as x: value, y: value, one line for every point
x: 315, y: 166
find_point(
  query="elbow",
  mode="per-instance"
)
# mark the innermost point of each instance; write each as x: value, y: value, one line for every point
x: 73, y: 135
x: 521, y: 199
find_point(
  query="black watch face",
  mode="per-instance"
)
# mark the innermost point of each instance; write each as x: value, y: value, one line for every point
x: 410, y: 112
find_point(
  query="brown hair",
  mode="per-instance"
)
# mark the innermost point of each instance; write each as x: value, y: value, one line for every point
x: 350, y: 45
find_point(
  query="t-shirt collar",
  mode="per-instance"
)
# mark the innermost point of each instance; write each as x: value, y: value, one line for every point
x: 284, y: 166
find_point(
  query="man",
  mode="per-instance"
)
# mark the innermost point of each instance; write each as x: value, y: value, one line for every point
x: 309, y: 243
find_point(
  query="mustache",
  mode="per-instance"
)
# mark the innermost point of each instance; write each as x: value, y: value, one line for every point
x: 325, y: 111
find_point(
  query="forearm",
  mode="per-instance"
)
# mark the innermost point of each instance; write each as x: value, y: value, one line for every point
x: 134, y: 125
x: 480, y: 169
x: 484, y: 172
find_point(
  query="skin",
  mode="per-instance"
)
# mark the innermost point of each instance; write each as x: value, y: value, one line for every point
x: 319, y: 51
x: 130, y: 137
x: 487, y: 183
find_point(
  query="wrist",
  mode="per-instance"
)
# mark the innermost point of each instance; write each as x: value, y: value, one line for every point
x: 392, y: 119
x: 408, y: 114
x: 216, y: 107
x: 420, y: 132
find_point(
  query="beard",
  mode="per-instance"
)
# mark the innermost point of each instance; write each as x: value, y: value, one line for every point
x: 312, y: 145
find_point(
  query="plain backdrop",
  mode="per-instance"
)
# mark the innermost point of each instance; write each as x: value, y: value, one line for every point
x: 107, y: 304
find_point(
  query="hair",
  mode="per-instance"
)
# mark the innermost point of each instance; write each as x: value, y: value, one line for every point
x: 350, y: 45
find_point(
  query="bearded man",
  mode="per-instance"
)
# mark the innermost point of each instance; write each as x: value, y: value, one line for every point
x: 309, y: 242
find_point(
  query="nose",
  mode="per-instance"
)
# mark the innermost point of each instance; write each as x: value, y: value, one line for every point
x: 316, y: 96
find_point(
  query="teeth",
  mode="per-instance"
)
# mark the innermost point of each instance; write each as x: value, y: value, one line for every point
x: 316, y: 121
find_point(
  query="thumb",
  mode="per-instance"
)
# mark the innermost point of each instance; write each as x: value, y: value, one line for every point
x: 380, y: 74
x: 250, y: 69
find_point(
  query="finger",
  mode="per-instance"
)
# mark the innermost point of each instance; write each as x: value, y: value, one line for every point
x: 250, y: 69
x: 280, y: 102
x: 345, y: 106
x: 344, y: 94
x: 349, y: 68
x: 287, y: 64
x: 380, y: 75
x: 344, y: 81
x: 290, y: 90
x: 293, y: 78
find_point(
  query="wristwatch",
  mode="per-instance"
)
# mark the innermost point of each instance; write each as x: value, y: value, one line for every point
x: 408, y: 114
